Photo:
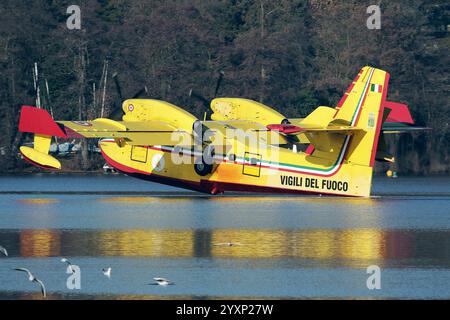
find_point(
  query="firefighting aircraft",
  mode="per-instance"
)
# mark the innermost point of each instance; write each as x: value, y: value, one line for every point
x: 246, y: 146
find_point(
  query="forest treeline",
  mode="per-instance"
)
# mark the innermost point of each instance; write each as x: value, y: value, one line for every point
x: 292, y: 55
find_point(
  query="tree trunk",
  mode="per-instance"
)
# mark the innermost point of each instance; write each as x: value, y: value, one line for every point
x: 81, y: 71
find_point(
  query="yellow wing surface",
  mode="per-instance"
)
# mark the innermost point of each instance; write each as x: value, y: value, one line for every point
x: 133, y: 133
x: 39, y: 122
x: 139, y: 130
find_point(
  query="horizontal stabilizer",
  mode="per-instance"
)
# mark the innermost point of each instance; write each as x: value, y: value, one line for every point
x: 322, y: 120
x: 322, y: 130
x: 399, y: 112
x: 40, y: 159
x: 393, y: 127
x: 345, y: 130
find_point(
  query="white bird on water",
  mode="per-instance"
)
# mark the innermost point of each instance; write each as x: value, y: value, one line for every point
x: 69, y: 264
x: 32, y: 278
x: 3, y: 250
x: 162, y: 282
x: 107, y: 272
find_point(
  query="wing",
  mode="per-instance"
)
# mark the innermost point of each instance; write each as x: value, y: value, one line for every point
x: 133, y: 133
x: 3, y: 250
x: 30, y: 275
x: 160, y: 279
x: 39, y: 122
x: 43, y: 291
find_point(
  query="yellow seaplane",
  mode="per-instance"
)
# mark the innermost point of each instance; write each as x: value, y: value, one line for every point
x: 246, y: 146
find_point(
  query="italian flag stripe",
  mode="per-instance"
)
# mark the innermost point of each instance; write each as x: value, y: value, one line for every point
x: 376, y: 88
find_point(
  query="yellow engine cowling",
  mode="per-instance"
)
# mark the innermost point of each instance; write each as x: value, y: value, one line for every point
x: 150, y: 109
x: 244, y: 109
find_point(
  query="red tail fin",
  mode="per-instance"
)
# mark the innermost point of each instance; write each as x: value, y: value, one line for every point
x: 39, y: 121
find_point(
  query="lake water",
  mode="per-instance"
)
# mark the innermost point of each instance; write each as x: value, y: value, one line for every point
x: 286, y: 246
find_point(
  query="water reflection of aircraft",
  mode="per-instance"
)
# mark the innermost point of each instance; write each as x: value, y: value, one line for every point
x: 42, y: 201
x: 40, y: 243
x: 357, y: 245
x: 246, y: 147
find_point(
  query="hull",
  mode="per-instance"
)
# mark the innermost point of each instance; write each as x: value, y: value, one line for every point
x: 283, y: 176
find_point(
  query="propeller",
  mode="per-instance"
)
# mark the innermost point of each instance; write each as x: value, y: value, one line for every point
x: 116, y: 113
x: 140, y: 92
x: 118, y: 88
x: 201, y: 98
x: 219, y: 82
x: 198, y: 128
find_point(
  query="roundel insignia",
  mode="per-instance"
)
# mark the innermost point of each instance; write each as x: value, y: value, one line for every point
x: 158, y: 162
x: 130, y: 107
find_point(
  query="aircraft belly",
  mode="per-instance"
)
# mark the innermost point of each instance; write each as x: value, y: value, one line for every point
x: 145, y: 161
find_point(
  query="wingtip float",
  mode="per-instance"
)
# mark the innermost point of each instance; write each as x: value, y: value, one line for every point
x: 161, y: 142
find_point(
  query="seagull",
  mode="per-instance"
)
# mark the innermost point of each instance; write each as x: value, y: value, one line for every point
x: 69, y: 264
x: 107, y: 272
x: 162, y: 282
x: 32, y: 278
x: 3, y: 250
x: 228, y: 244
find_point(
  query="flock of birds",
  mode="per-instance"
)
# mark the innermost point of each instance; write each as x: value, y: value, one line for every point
x: 106, y: 271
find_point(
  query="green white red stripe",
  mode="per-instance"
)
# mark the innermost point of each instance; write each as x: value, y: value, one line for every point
x: 376, y: 88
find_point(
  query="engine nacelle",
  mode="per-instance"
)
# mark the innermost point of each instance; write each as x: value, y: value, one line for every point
x: 244, y: 109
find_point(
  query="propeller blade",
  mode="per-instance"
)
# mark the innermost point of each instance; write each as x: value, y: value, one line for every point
x: 219, y: 81
x: 199, y: 97
x: 116, y: 81
x: 116, y: 113
x: 140, y: 92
